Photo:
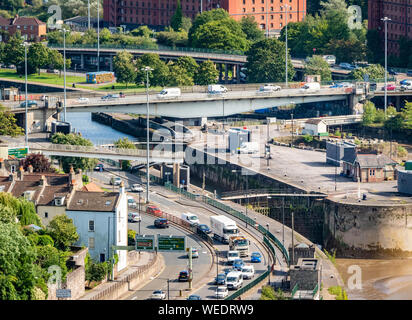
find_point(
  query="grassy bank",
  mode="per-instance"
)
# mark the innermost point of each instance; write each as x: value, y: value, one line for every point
x: 45, y: 78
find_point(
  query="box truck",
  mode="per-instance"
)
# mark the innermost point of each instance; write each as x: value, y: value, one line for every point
x: 223, y: 227
x: 240, y: 244
x: 249, y: 147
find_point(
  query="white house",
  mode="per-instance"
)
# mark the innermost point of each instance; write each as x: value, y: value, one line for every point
x: 101, y: 222
x: 315, y: 127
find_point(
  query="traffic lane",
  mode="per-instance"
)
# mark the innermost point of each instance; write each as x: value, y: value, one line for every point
x: 175, y: 262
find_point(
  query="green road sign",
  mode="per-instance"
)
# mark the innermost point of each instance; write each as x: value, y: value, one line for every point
x: 18, y: 153
x: 171, y: 243
x: 145, y: 243
x: 123, y: 248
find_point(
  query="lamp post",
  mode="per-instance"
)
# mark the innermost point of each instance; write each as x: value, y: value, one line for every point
x: 286, y: 44
x: 26, y: 105
x: 247, y: 192
x: 146, y: 70
x: 64, y: 30
x: 98, y: 37
x: 291, y: 116
x: 385, y: 20
x: 88, y: 14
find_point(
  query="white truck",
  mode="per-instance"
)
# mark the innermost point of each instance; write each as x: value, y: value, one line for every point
x: 169, y: 93
x: 222, y: 228
x: 241, y: 244
x: 216, y: 89
x: 249, y: 147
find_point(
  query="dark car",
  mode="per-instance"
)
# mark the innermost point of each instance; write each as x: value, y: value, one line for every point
x: 220, y: 279
x: 392, y: 72
x: 161, y: 223
x: 227, y: 270
x: 204, y: 228
x: 238, y: 264
x: 30, y: 103
x: 194, y: 297
x: 183, y: 276
x: 99, y: 167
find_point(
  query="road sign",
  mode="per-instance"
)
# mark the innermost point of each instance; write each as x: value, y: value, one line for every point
x: 145, y: 243
x: 63, y: 293
x: 123, y: 248
x: 171, y: 243
x: 18, y: 153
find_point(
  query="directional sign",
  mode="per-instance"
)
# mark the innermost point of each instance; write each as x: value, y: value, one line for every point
x: 171, y: 243
x: 18, y: 153
x: 63, y: 293
x: 145, y: 243
x: 123, y: 248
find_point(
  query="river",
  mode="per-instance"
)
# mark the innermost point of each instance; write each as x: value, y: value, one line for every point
x: 94, y: 131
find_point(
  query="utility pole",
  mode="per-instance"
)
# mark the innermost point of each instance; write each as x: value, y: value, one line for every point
x: 385, y: 20
x: 190, y: 269
x: 98, y: 37
x: 291, y: 115
x: 293, y: 243
x: 88, y: 14
x: 26, y: 105
x: 267, y: 142
x: 147, y: 69
x: 336, y: 167
x: 283, y: 221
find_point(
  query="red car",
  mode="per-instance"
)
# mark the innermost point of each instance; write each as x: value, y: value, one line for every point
x: 154, y: 210
x: 389, y: 87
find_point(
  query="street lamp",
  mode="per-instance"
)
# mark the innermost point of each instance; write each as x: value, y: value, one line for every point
x: 247, y: 192
x: 146, y: 70
x: 286, y: 44
x: 25, y: 74
x: 385, y: 20
x: 98, y: 37
x: 64, y: 30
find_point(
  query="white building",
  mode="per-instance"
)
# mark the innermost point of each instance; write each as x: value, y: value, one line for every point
x: 101, y: 222
x: 315, y: 127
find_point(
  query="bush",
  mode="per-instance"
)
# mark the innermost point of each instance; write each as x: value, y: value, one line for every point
x: 131, y: 236
x: 339, y: 292
x: 45, y: 240
x: 85, y: 179
x: 402, y: 152
x: 308, y: 138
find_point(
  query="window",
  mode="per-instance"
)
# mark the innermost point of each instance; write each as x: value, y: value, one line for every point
x: 46, y: 214
x: 262, y: 17
x: 91, y: 243
x: 102, y: 257
x: 91, y: 225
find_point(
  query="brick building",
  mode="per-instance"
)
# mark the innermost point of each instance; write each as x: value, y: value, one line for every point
x: 270, y: 14
x: 401, y: 25
x: 32, y: 29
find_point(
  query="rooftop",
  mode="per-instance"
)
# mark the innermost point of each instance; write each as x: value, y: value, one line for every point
x: 314, y: 121
x: 369, y: 160
x: 93, y: 201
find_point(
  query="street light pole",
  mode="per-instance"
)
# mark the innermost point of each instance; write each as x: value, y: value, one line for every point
x: 385, y: 20
x: 146, y: 70
x: 283, y: 221
x: 286, y: 45
x: 64, y: 72
x: 98, y: 37
x: 25, y: 72
x: 291, y: 115
x: 88, y: 14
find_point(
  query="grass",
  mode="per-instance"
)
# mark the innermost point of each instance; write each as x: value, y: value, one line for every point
x: 47, y: 78
x: 339, y: 292
x: 331, y: 257
x: 132, y: 87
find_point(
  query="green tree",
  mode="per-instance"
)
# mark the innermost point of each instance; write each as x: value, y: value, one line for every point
x: 76, y: 162
x: 12, y: 5
x: 160, y: 74
x: 48, y: 256
x: 56, y: 61
x: 395, y: 123
x: 124, y: 143
x: 336, y: 13
x: 8, y: 126
x: 179, y: 76
x: 369, y: 113
x: 177, y: 19
x: 124, y: 68
x: 379, y: 116
x: 317, y: 65
x: 17, y: 257
x: 205, y: 17
x: 37, y: 56
x: 186, y: 24
x: 351, y: 50
x: 172, y: 38
x: 63, y: 231
x: 38, y: 161
x: 374, y: 71
x: 374, y: 47
x: 142, y: 31
x: 268, y: 293
x: 206, y: 73
x: 266, y: 62
x: 105, y: 36
x: 14, y: 51
x: 391, y: 111
x: 407, y: 115
x: 251, y: 29
x: 131, y: 237
x: 188, y: 64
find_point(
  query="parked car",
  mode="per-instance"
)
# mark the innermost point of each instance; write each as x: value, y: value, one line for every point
x: 195, y: 253
x: 238, y: 264
x: 183, y: 276
x: 55, y: 71
x: 389, y: 87
x: 194, y: 297
x: 136, y: 188
x: 220, y: 279
x: 204, y: 228
x: 221, y: 292
x: 115, y: 181
x: 161, y: 223
x: 256, y: 257
x: 158, y: 295
x: 153, y: 210
x: 268, y: 87
x: 131, y: 203
x: 330, y: 59
x: 30, y: 103
x: 99, y: 167
x: 134, y: 217
x: 248, y: 272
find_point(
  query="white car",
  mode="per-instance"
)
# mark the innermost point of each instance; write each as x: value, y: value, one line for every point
x: 269, y: 88
x: 136, y: 188
x: 195, y: 253
x: 134, y: 217
x: 131, y: 202
x: 407, y: 86
x: 248, y: 271
x: 221, y: 292
x: 158, y: 295
x: 83, y: 100
x: 232, y: 255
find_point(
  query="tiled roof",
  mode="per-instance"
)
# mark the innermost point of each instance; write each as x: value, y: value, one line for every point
x: 93, y: 201
x: 374, y: 160
x: 92, y: 187
x: 50, y: 192
x: 21, y: 21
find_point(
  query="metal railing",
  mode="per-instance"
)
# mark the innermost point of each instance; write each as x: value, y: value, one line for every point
x: 248, y: 286
x: 315, y: 290
x: 294, y: 290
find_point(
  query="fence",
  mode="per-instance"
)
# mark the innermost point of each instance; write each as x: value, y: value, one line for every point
x: 248, y: 286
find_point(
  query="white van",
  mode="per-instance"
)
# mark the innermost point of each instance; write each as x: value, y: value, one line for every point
x: 134, y: 217
x: 234, y: 280
x: 216, y: 88
x: 248, y: 271
x: 249, y: 147
x: 169, y: 93
x: 232, y: 255
x: 191, y: 218
x: 330, y: 59
x: 311, y: 86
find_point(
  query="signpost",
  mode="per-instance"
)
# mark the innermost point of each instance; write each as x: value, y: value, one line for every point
x: 171, y: 243
x: 18, y: 153
x: 145, y: 243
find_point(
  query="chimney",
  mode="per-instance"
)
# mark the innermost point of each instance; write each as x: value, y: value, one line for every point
x: 121, y: 188
x: 20, y: 173
x: 30, y: 168
x: 43, y: 181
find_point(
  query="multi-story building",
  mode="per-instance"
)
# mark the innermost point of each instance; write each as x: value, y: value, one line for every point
x: 32, y: 29
x: 399, y: 11
x: 270, y: 14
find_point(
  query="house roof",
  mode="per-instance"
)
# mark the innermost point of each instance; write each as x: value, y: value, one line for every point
x: 50, y: 192
x: 369, y: 160
x: 92, y: 187
x: 314, y: 121
x: 93, y: 201
x: 21, y: 21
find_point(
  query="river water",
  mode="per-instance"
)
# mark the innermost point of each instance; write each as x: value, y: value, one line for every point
x: 94, y: 131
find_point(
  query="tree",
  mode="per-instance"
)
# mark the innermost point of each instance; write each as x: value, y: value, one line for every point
x: 266, y: 62
x: 96, y: 272
x: 336, y: 13
x: 8, y: 126
x: 251, y: 28
x: 205, y: 17
x: 407, y: 115
x: 188, y: 64
x: 131, y: 237
x: 347, y: 50
x: 63, y: 231
x: 374, y: 50
x: 37, y: 56
x: 56, y: 60
x: 379, y: 116
x: 317, y: 65
x: 17, y: 257
x: 206, y: 74
x: 395, y: 123
x: 48, y: 256
x: 124, y: 143
x: 374, y: 71
x: 369, y: 113
x: 76, y: 162
x: 160, y: 74
x: 177, y: 19
x: 21, y: 209
x: 391, y: 111
x: 38, y: 161
x: 172, y: 38
x: 268, y: 293
x: 186, y: 24
x: 224, y: 34
x: 179, y: 76
x: 124, y: 68
x: 405, y: 52
x: 14, y: 51
x: 142, y: 31
x: 12, y: 5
